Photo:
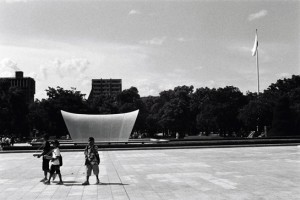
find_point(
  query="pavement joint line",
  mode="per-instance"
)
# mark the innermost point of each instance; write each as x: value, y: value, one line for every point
x: 119, y: 177
x: 109, y: 180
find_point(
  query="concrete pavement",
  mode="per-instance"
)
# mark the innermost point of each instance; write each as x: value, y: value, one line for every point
x: 216, y: 173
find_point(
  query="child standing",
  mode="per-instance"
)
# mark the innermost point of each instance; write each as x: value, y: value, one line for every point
x: 46, y: 151
x: 55, y: 161
x: 92, y: 161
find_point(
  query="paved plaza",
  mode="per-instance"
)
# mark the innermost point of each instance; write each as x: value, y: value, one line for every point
x: 196, y: 173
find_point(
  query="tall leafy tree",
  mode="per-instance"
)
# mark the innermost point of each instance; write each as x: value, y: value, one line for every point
x: 282, y: 124
x: 38, y: 117
x: 129, y: 100
x: 5, y: 111
x: 217, y: 109
x: 19, y: 112
x: 61, y: 99
x: 152, y: 107
x: 175, y: 113
x: 103, y: 105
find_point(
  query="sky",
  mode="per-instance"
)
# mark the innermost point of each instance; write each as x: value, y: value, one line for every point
x: 154, y: 45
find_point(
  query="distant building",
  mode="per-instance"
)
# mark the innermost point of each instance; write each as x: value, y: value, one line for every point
x: 105, y: 87
x: 27, y: 84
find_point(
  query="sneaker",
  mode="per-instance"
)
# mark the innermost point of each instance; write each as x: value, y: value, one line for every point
x: 60, y: 183
x: 54, y: 176
x: 86, y: 183
x: 47, y: 182
x: 43, y: 180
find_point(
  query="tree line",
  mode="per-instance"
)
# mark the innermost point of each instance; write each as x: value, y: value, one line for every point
x: 183, y: 110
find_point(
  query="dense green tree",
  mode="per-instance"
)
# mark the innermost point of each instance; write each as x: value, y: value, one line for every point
x: 38, y: 118
x: 61, y: 99
x: 152, y: 107
x: 287, y: 88
x: 129, y: 100
x: 175, y: 113
x: 229, y: 102
x: 19, y: 111
x: 295, y: 108
x: 258, y: 113
x: 5, y: 112
x: 224, y: 110
x: 282, y: 124
x: 217, y: 109
x: 103, y: 105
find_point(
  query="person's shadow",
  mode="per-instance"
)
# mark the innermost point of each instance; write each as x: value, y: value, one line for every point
x: 113, y: 183
x: 75, y: 183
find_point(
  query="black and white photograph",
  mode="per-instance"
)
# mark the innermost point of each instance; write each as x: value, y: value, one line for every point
x: 150, y: 99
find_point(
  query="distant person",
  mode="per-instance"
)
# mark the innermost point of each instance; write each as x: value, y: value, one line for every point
x: 12, y: 141
x: 7, y: 141
x: 55, y: 163
x: 177, y: 135
x: 92, y: 161
x: 46, y: 151
x: 1, y: 144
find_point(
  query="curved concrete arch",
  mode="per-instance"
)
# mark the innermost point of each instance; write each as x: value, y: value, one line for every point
x: 104, y: 128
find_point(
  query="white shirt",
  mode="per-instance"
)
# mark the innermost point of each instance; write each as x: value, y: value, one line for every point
x: 55, y: 153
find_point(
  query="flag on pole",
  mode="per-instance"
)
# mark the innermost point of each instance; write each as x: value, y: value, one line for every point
x: 254, y: 49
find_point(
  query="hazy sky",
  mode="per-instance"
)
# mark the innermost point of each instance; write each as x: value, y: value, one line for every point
x: 153, y: 45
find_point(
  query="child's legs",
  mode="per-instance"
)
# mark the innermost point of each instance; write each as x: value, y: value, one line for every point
x: 88, y: 171
x: 52, y: 170
x: 96, y: 170
x: 45, y: 167
x: 57, y: 170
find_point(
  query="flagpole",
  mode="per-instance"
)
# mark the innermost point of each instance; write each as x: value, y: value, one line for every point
x: 257, y: 67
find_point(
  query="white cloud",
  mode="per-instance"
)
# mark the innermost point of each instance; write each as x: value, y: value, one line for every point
x: 65, y: 68
x: 257, y: 15
x: 154, y: 41
x: 32, y: 75
x: 8, y: 67
x: 9, y: 63
x: 44, y: 71
x: 74, y: 66
x: 134, y: 12
x: 182, y: 39
x: 6, y: 74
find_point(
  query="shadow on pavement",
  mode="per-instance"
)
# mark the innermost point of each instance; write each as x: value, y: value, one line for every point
x: 113, y: 184
x: 75, y: 183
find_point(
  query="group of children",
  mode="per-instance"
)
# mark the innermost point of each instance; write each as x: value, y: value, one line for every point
x: 92, y: 161
x: 56, y: 161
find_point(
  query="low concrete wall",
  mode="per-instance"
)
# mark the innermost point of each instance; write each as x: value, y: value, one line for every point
x: 174, y: 144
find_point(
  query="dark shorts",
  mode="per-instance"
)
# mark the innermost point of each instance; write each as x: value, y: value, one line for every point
x: 45, y: 164
x: 55, y: 168
x: 90, y: 168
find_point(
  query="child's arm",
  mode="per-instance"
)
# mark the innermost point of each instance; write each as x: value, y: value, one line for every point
x: 55, y: 154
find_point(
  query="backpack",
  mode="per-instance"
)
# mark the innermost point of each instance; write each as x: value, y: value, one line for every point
x: 60, y: 160
x: 98, y: 158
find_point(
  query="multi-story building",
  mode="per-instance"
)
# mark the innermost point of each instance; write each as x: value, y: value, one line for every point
x: 27, y: 84
x: 105, y: 87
